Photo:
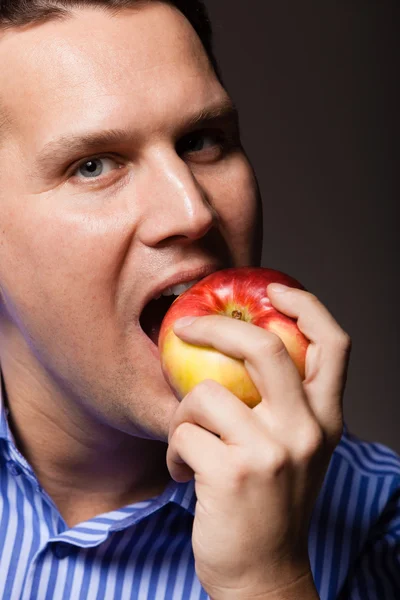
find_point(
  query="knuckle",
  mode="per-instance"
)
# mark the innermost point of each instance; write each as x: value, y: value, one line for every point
x: 312, y: 298
x: 201, y: 399
x: 271, y: 345
x: 202, y: 390
x: 182, y: 432
x: 248, y: 468
x: 207, y: 385
x: 237, y: 472
x: 343, y: 341
x: 276, y: 460
x: 312, y: 442
x: 240, y: 474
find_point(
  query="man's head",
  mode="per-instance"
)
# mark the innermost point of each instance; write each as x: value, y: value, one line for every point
x: 20, y: 13
x: 112, y: 180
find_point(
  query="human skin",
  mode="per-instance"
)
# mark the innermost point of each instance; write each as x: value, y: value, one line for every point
x: 78, y: 256
x: 77, y: 259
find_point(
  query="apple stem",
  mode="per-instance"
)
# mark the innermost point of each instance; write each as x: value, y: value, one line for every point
x: 236, y: 314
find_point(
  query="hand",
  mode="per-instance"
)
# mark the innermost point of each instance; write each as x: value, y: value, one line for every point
x: 258, y: 471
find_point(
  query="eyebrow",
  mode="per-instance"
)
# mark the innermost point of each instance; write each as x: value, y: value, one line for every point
x: 64, y: 147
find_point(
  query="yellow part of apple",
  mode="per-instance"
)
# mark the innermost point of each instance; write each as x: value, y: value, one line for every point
x: 186, y: 365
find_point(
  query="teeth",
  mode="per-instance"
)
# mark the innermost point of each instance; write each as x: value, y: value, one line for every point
x: 177, y: 290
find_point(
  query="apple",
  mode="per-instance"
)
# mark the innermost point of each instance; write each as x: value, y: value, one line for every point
x: 239, y: 293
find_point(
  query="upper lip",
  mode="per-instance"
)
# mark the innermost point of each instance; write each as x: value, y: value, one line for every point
x: 184, y: 275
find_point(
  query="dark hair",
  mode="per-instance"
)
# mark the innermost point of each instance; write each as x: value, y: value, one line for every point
x: 17, y: 13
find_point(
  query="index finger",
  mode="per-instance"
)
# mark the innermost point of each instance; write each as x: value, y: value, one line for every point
x: 267, y: 362
x: 327, y: 357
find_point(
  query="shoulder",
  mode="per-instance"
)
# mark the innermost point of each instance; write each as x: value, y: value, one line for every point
x: 362, y: 479
x: 358, y: 507
x: 368, y: 458
x: 4, y: 476
x: 371, y: 494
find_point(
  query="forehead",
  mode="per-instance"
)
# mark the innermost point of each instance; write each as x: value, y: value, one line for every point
x: 97, y: 69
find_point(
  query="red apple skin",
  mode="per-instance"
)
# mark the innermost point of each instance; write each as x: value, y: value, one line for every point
x: 239, y: 293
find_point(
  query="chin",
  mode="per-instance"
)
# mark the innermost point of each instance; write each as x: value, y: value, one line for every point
x: 155, y: 424
x: 149, y: 415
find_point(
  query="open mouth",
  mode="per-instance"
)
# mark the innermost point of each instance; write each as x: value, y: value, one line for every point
x: 153, y: 315
x: 155, y: 310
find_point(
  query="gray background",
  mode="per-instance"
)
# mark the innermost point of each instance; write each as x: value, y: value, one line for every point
x: 314, y: 83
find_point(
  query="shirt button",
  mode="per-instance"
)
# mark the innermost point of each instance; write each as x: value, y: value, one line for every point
x: 14, y: 468
x: 62, y: 550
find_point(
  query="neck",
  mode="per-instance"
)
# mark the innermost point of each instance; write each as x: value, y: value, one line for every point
x: 87, y: 467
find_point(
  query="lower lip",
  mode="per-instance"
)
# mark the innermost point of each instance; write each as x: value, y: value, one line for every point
x: 199, y: 275
x: 153, y: 348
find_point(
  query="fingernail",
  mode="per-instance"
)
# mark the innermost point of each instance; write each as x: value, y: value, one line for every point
x: 184, y: 322
x: 278, y: 287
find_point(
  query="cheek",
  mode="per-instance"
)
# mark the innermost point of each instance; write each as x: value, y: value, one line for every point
x: 61, y: 284
x: 235, y: 196
x: 66, y: 262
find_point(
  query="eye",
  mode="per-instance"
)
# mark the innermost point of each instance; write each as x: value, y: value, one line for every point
x: 200, y: 141
x: 93, y: 168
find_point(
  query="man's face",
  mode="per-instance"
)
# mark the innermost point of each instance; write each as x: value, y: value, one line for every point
x: 88, y: 230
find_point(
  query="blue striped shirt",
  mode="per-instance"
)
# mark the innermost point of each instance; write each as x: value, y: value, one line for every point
x: 143, y: 551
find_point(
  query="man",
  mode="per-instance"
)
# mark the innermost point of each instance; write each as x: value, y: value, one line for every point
x: 122, y: 173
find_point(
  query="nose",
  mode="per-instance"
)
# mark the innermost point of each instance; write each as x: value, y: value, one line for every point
x: 176, y: 208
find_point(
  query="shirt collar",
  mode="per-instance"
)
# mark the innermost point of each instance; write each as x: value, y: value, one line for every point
x: 5, y: 433
x: 182, y: 494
